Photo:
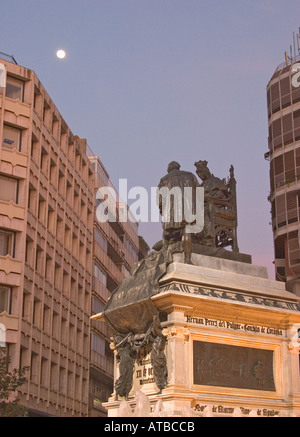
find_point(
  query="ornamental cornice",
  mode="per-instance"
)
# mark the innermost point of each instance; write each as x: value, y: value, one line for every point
x: 177, y: 332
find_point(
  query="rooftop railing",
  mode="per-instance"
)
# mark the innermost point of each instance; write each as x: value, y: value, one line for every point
x: 289, y: 61
x: 7, y: 57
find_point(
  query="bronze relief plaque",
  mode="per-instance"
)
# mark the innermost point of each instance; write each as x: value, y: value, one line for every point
x: 224, y: 365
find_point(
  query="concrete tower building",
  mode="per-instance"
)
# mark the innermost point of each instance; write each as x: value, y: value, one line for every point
x: 57, y: 264
x: 283, y: 100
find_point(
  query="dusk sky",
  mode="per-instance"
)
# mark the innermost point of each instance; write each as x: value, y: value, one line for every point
x: 151, y: 81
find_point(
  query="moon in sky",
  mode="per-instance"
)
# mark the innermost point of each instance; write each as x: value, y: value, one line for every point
x: 61, y: 54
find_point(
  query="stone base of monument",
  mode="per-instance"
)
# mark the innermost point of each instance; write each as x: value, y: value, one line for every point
x: 232, y: 344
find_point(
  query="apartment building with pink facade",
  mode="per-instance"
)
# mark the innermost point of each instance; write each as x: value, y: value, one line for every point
x: 58, y: 265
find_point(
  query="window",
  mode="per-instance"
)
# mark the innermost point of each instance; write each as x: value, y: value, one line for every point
x: 59, y: 227
x: 66, y: 283
x: 51, y: 219
x: 46, y: 113
x: 70, y: 384
x: 53, y: 172
x: 61, y: 183
x: 44, y: 376
x: 24, y: 357
x: 126, y: 271
x: 42, y: 210
x: 98, y: 344
x: 64, y: 330
x: 67, y: 237
x: 100, y: 239
x: 62, y: 380
x: 55, y: 325
x: 32, y: 198
x: 34, y: 368
x: 100, y: 274
x: 6, y: 243
x: 35, y: 148
x: 97, y: 306
x: 130, y: 247
x: 8, y: 189
x: 39, y: 259
x: 37, y: 305
x: 26, y: 311
x: 11, y: 137
x: 53, y: 376
x: 46, y: 319
x: 14, y: 88
x: 55, y: 125
x: 57, y: 276
x: 86, y: 345
x: 44, y: 161
x: 49, y: 268
x: 72, y: 339
x: 5, y: 296
x: 77, y: 386
x: 74, y: 244
x: 102, y: 173
x: 38, y: 100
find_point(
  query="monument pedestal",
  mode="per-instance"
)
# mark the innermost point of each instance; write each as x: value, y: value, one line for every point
x: 232, y: 343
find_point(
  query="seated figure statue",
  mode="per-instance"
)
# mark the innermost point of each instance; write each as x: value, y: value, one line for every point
x: 220, y: 212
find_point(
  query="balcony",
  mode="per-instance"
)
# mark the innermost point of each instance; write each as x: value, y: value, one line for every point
x: 102, y: 363
x: 109, y: 265
x: 12, y: 215
x: 100, y: 289
x: 16, y: 112
x: 117, y: 243
x: 10, y: 270
x: 15, y: 161
x: 102, y: 327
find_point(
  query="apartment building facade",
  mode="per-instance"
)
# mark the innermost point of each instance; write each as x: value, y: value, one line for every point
x: 57, y: 264
x: 283, y: 103
x: 116, y: 246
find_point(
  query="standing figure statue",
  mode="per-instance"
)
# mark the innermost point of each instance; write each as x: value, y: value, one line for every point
x: 177, y: 209
x: 125, y: 357
x: 158, y: 357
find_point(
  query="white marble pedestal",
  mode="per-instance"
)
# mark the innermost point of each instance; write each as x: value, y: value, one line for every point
x: 232, y: 343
